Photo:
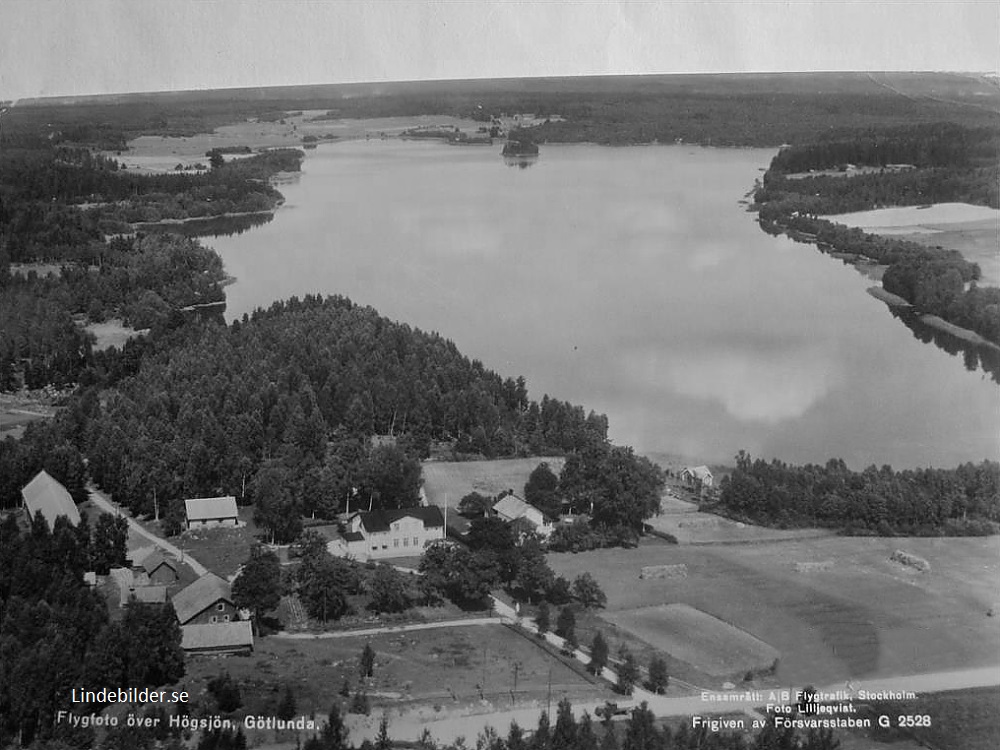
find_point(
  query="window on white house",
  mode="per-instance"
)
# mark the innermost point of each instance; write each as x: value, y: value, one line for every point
x: 221, y: 607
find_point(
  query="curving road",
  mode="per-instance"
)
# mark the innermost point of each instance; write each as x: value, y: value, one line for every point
x: 104, y: 502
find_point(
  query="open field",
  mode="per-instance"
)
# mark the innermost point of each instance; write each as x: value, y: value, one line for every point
x: 972, y: 230
x: 699, y: 639
x: 862, y: 616
x: 111, y: 333
x: 17, y: 410
x: 447, y: 482
x: 430, y: 671
x: 688, y: 525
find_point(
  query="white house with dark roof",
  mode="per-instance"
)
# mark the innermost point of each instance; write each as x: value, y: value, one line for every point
x: 225, y: 638
x: 512, y: 508
x: 207, y: 601
x: 208, y: 512
x: 389, y: 533
x: 45, y: 495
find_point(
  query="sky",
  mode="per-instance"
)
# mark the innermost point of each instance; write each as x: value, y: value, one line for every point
x: 71, y: 47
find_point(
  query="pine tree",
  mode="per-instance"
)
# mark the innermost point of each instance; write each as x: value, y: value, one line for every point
x: 542, y: 618
x: 598, y: 654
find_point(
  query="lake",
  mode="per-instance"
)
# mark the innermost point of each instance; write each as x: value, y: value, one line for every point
x: 628, y: 280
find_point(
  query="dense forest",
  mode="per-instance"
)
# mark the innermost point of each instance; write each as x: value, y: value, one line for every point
x: 57, y: 200
x: 55, y: 633
x: 949, y: 163
x: 278, y: 407
x: 921, y: 502
x: 144, y: 281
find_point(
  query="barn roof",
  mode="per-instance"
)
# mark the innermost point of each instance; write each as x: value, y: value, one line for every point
x: 511, y: 507
x: 46, y: 495
x: 211, y: 508
x: 144, y: 594
x: 201, y: 595
x: 223, y: 636
x: 382, y: 520
x: 155, y: 559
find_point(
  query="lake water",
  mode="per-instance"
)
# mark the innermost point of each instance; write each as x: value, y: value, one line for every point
x: 628, y: 280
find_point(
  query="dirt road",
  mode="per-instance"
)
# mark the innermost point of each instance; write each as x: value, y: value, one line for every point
x: 104, y: 502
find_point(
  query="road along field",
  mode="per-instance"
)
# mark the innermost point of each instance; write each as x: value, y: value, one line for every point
x: 834, y: 608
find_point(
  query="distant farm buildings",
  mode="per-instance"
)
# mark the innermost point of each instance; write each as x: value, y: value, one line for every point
x: 45, y: 495
x: 512, y: 508
x: 697, y: 477
x: 209, y: 512
x: 389, y: 533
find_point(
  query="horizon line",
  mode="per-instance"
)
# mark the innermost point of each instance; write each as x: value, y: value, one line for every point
x: 67, y: 98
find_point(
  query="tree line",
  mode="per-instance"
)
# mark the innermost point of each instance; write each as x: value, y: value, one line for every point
x: 916, y: 502
x: 935, y: 280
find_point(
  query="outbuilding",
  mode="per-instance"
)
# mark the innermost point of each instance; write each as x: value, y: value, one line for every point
x: 208, y: 512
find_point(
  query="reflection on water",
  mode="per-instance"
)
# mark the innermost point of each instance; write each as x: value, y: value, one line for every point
x: 628, y: 280
x: 214, y: 226
x: 521, y: 162
x: 975, y: 357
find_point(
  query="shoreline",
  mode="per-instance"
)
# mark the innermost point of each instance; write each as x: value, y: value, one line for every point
x: 890, y: 299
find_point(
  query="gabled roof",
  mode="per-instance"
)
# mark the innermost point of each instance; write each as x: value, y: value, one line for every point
x: 155, y: 559
x: 382, y: 520
x: 210, y: 508
x: 223, y: 636
x: 511, y: 507
x: 137, y: 555
x: 201, y: 595
x: 702, y: 472
x: 45, y: 494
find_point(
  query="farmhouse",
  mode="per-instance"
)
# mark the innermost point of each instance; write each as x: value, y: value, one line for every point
x: 158, y: 567
x: 205, y: 512
x: 512, y: 508
x: 389, y: 533
x: 225, y: 638
x: 45, y: 495
x: 207, y: 601
x: 697, y: 477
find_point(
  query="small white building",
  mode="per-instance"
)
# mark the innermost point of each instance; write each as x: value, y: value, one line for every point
x: 209, y: 512
x: 513, y: 508
x: 697, y: 477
